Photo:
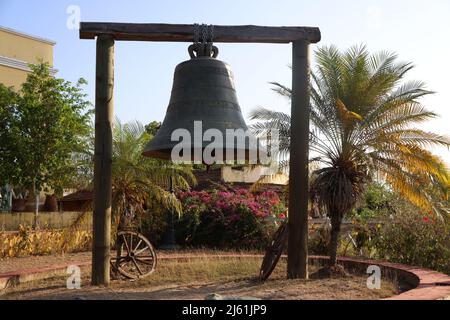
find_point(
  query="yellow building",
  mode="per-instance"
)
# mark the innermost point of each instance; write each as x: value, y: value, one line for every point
x: 17, y: 50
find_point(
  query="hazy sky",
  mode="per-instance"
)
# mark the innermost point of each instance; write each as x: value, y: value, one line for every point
x: 418, y: 31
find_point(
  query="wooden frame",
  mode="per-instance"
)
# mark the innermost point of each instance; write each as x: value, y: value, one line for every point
x: 185, y: 32
x: 106, y: 33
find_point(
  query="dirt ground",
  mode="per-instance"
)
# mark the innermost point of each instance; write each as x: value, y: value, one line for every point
x: 28, y: 262
x: 197, y: 278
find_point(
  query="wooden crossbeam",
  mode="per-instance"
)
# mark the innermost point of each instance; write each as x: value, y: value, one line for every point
x: 185, y: 32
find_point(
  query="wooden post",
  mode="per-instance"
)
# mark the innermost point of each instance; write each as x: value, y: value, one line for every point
x: 298, y: 171
x: 104, y: 83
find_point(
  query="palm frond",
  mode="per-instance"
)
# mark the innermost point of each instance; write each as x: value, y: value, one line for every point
x: 281, y: 90
x: 363, y: 117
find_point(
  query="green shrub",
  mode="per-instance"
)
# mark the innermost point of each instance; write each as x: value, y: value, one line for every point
x: 153, y: 223
x: 415, y: 238
x: 361, y: 243
x: 375, y: 202
x: 319, y: 239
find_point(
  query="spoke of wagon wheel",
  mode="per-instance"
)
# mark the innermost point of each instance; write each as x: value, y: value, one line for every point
x: 121, y: 258
x: 137, y: 266
x: 137, y: 246
x: 126, y: 243
x: 121, y: 253
x: 121, y: 262
x: 131, y: 242
x: 117, y: 262
x: 143, y: 249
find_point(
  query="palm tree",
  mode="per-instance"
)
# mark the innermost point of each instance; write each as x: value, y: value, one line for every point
x: 137, y: 179
x: 362, y: 116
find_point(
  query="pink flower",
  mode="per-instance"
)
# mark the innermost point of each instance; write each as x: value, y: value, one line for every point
x: 242, y: 192
x: 235, y: 217
x: 225, y: 194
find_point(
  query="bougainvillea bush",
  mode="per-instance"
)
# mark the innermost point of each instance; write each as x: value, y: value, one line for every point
x: 229, y: 218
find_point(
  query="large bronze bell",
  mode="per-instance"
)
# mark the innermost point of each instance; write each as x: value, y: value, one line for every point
x: 203, y: 90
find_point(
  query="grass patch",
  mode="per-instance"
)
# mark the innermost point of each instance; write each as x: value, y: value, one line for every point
x: 201, y: 270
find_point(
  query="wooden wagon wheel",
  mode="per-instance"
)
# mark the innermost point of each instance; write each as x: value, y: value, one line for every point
x: 274, y: 251
x: 135, y: 256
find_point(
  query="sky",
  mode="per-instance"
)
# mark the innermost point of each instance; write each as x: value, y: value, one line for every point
x: 418, y: 31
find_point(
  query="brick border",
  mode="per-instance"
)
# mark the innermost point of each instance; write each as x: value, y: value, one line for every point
x: 421, y: 284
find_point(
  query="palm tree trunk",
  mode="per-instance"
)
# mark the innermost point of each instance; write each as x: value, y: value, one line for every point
x: 334, y: 240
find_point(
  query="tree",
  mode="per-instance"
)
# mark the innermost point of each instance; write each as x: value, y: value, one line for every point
x: 138, y: 183
x: 362, y: 117
x: 136, y: 180
x: 9, y: 134
x: 152, y: 128
x: 53, y: 119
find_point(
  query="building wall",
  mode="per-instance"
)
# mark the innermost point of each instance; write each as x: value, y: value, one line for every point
x: 17, y: 50
x: 12, y: 77
x: 253, y: 174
